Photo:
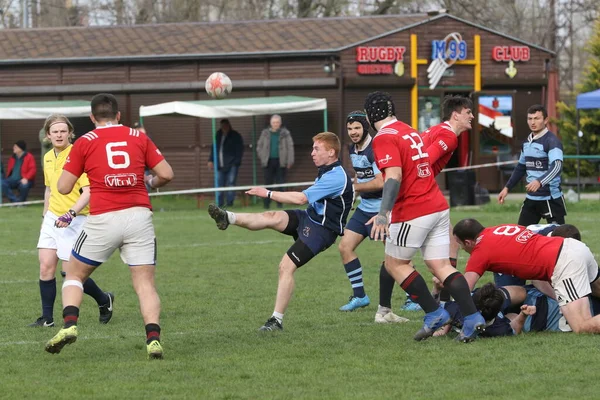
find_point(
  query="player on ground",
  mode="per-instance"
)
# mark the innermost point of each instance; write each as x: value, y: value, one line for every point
x: 64, y: 216
x: 314, y: 229
x: 418, y: 212
x: 114, y: 157
x: 512, y: 249
x: 369, y: 183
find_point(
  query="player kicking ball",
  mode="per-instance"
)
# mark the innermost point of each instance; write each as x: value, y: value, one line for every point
x: 314, y: 229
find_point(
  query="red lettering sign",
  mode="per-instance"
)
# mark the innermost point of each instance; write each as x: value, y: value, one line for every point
x: 375, y: 69
x: 511, y: 53
x: 366, y: 54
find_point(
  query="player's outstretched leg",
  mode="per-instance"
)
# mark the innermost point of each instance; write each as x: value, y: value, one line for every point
x: 219, y: 215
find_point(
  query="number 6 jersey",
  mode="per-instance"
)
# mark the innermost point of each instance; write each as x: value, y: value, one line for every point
x: 114, y: 158
x: 399, y: 145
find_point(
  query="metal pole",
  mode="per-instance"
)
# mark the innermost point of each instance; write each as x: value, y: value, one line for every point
x: 215, y: 155
x: 325, y: 120
x: 578, y: 160
x: 254, y: 155
x: 1, y: 166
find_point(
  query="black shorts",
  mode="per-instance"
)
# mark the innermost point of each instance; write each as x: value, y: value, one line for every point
x: 311, y: 238
x: 553, y: 210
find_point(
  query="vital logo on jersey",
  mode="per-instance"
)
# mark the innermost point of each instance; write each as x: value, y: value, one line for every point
x: 120, y: 180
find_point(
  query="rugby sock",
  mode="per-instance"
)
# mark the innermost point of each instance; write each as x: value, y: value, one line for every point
x: 70, y: 316
x: 417, y: 289
x: 386, y: 286
x: 152, y: 333
x: 457, y: 286
x: 444, y: 293
x: 48, y: 295
x: 354, y: 272
x: 278, y: 316
x: 230, y: 217
x: 91, y: 289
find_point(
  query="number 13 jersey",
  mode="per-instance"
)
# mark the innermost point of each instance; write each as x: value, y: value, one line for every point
x: 399, y: 145
x: 114, y: 158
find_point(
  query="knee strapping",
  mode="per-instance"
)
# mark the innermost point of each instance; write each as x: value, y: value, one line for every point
x: 72, y: 282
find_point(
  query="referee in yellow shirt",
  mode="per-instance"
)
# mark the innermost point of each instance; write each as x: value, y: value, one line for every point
x: 64, y: 216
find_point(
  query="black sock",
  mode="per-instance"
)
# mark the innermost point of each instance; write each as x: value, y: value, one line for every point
x: 48, y: 295
x: 444, y: 293
x: 70, y: 316
x: 416, y: 287
x: 91, y: 289
x: 152, y: 333
x: 386, y: 286
x: 457, y: 286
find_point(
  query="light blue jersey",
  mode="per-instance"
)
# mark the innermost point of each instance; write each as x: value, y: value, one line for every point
x: 363, y: 162
x: 541, y: 159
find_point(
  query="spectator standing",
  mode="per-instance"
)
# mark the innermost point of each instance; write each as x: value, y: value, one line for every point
x: 230, y: 149
x: 275, y: 149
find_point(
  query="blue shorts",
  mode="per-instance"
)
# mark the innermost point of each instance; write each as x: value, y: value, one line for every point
x: 358, y: 221
x: 315, y: 236
x: 507, y: 280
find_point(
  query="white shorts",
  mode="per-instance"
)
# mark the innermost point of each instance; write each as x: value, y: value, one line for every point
x: 430, y: 233
x: 575, y: 269
x: 60, y: 239
x: 129, y: 230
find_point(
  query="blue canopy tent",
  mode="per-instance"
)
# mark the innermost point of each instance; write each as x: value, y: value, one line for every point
x: 585, y: 101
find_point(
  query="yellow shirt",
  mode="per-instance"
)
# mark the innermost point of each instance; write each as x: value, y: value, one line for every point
x: 53, y: 167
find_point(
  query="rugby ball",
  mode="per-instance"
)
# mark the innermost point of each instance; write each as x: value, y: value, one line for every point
x: 218, y: 85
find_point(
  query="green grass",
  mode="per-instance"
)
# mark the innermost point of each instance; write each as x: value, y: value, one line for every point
x: 217, y: 288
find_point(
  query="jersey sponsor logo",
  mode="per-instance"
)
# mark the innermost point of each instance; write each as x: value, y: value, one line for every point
x: 120, y: 180
x: 423, y: 170
x: 525, y: 236
x: 385, y: 160
x: 364, y: 174
x: 443, y: 145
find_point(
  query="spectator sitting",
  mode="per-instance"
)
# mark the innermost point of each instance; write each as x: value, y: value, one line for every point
x: 20, y: 173
x: 230, y: 149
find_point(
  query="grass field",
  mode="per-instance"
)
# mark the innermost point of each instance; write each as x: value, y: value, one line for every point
x: 217, y: 288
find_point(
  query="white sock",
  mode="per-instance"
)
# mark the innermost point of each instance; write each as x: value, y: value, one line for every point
x: 278, y: 316
x: 230, y: 217
x: 383, y: 310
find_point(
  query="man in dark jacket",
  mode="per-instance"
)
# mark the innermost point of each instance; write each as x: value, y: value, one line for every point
x: 230, y: 149
x: 20, y: 173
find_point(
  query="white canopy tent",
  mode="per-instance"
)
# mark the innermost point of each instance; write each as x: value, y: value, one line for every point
x: 41, y: 110
x: 229, y: 108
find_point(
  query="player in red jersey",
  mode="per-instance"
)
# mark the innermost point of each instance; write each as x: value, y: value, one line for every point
x: 418, y: 212
x: 441, y: 141
x: 566, y: 263
x: 114, y: 157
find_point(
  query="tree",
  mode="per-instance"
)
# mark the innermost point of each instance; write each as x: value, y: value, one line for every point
x: 589, y: 119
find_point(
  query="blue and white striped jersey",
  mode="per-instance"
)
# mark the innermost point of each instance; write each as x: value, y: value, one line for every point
x: 363, y: 162
x: 541, y: 159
